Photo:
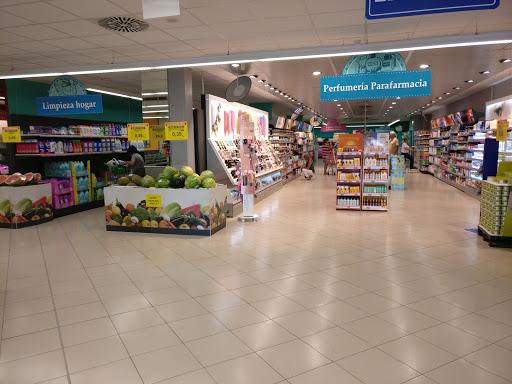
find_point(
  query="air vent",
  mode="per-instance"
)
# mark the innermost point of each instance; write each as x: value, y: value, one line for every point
x: 123, y: 24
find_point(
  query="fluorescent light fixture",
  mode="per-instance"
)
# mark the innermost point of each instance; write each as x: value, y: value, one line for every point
x: 316, y: 73
x: 113, y: 94
x: 299, y: 103
x: 390, y: 107
x: 398, y: 98
x: 439, y: 97
x: 341, y: 109
x: 161, y: 111
x: 2, y: 98
x: 282, y: 55
x: 424, y: 66
x: 394, y: 102
x: 235, y: 65
x: 447, y: 93
x: 155, y: 117
x: 281, y: 93
x: 261, y: 81
x: 276, y: 91
x: 266, y: 85
x: 393, y: 122
x: 485, y: 72
x: 155, y: 106
x: 338, y: 105
x: 272, y: 88
x: 456, y: 88
x: 153, y: 93
x: 468, y: 81
x: 362, y: 126
x: 505, y: 61
x: 253, y: 76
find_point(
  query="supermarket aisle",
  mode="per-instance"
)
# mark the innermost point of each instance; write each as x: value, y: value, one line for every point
x: 306, y: 295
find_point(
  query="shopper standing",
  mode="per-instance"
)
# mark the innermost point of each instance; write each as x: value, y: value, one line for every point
x: 393, y: 143
x: 406, y: 152
x: 136, y: 163
x: 326, y: 153
x: 309, y: 169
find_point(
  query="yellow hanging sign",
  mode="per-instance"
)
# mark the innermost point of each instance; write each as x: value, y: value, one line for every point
x: 157, y: 132
x: 153, y: 201
x: 176, y: 131
x: 11, y: 134
x: 501, y: 131
x: 139, y: 131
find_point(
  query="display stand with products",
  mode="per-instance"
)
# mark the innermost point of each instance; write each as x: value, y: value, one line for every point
x: 397, y: 177
x: 247, y: 171
x: 348, y: 183
x: 421, y: 150
x: 375, y: 181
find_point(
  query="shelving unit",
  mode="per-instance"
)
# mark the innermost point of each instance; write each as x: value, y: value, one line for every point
x: 375, y: 181
x: 421, y: 150
x: 348, y: 180
x: 76, y: 177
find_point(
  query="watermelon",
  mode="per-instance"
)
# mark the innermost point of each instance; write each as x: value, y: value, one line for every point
x: 186, y: 171
x: 15, y: 179
x: 207, y: 175
x: 170, y: 172
x: 148, y: 182
x: 192, y: 182
x: 37, y: 177
x: 178, y: 182
x: 29, y: 176
x: 208, y: 183
x: 3, y: 178
x: 163, y: 183
x: 162, y: 176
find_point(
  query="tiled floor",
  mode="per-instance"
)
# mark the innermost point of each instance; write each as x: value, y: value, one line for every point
x: 306, y: 295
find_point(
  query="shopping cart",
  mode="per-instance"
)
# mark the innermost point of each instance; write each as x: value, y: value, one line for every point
x: 331, y: 163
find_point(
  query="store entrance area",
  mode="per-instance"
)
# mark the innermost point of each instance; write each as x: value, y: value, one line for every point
x: 306, y: 295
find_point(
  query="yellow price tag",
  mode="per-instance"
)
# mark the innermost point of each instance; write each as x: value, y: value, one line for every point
x: 138, y: 131
x: 157, y: 133
x: 11, y: 135
x: 501, y: 132
x: 176, y: 131
x: 153, y: 201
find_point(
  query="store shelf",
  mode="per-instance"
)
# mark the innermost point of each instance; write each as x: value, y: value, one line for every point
x: 275, y: 170
x: 348, y: 167
x: 348, y: 181
x: 76, y: 137
x: 376, y: 167
x: 375, y: 181
x: 64, y: 154
x: 349, y: 194
x: 349, y: 153
x: 375, y: 194
x: 356, y: 208
x: 372, y: 208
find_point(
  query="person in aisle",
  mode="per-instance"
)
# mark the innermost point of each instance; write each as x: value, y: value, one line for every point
x: 309, y: 169
x: 326, y: 153
x: 393, y: 143
x: 136, y: 163
x: 405, y: 152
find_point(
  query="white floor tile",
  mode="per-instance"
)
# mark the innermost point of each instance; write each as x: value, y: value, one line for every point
x: 374, y: 330
x: 149, y: 339
x: 180, y: 310
x: 263, y: 335
x: 494, y: 359
x: 336, y: 343
x: 461, y: 371
x: 482, y: 327
x: 131, y: 321
x: 217, y: 348
x: 119, y: 372
x: 29, y: 324
x: 197, y: 327
x: 28, y: 345
x: 328, y: 374
x: 249, y: 369
x: 304, y: 323
x: 33, y: 369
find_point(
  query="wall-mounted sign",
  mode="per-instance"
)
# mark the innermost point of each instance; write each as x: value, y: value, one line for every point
x: 176, y: 131
x: 138, y: 131
x: 380, y: 85
x: 11, y: 135
x: 375, y: 62
x: 380, y: 9
x: 69, y: 105
x: 333, y: 126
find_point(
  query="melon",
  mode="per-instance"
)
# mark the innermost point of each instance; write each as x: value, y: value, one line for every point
x: 37, y: 177
x: 192, y: 182
x: 15, y: 179
x: 29, y: 177
x: 3, y: 178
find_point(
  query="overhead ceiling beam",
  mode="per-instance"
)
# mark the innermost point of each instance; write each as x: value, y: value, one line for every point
x: 504, y: 37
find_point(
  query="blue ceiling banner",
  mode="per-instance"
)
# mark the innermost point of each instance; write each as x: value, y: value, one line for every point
x: 380, y: 85
x: 381, y: 9
x: 69, y: 105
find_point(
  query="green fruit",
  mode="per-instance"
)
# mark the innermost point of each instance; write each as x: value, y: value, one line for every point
x: 163, y: 183
x: 195, y: 174
x: 162, y: 176
x: 23, y: 206
x: 137, y: 179
x: 123, y: 181
x: 207, y: 175
x: 148, y: 182
x: 170, y: 172
x: 172, y: 210
x: 192, y: 182
x: 178, y: 181
x: 131, y: 185
x: 117, y: 218
x: 186, y: 171
x: 208, y: 183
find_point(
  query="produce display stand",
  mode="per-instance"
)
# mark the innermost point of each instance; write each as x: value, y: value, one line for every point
x: 199, y: 212
x: 24, y: 206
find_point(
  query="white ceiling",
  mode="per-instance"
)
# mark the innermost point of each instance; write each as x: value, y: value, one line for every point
x: 63, y: 33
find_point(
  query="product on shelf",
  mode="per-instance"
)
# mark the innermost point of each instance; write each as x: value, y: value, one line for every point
x: 397, y: 179
x: 493, y: 205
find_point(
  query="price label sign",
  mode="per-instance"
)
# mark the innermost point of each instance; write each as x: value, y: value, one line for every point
x: 501, y: 132
x: 153, y: 201
x: 139, y: 131
x: 157, y: 133
x: 11, y: 134
x: 176, y: 131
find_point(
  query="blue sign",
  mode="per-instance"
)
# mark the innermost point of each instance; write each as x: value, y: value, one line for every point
x: 69, y: 105
x: 381, y: 9
x: 381, y: 85
x: 375, y: 62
